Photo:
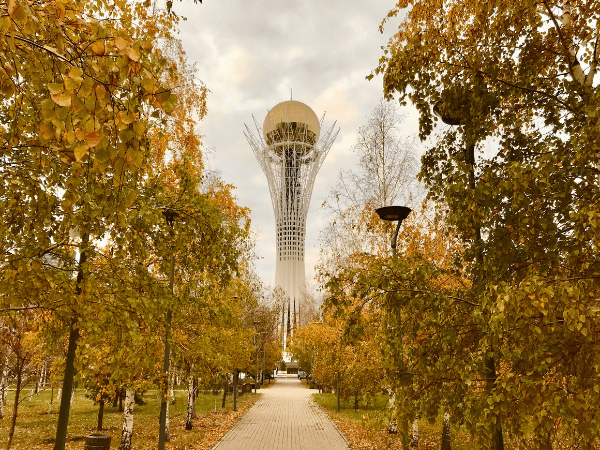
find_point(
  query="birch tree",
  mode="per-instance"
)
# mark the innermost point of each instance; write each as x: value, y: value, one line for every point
x: 384, y: 175
x: 4, y: 383
x: 127, y: 430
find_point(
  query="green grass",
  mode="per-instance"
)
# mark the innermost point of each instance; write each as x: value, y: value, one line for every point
x: 36, y: 428
x: 374, y: 409
x: 370, y: 422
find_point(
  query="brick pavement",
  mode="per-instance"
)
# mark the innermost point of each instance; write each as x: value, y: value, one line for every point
x: 285, y: 417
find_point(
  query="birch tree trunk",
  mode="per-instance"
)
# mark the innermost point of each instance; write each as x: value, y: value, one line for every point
x: 167, y: 431
x: 45, y: 374
x: 38, y: 381
x: 446, y: 432
x: 13, y: 424
x: 190, y: 404
x: 414, y: 442
x: 127, y: 432
x: 171, y: 392
x: 392, y: 427
x: 3, y: 383
x: 196, y: 388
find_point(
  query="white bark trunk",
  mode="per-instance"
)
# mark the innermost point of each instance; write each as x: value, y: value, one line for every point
x: 196, y: 390
x: 392, y: 427
x: 3, y: 383
x: 446, y: 438
x: 167, y: 432
x: 39, y: 380
x: 190, y: 405
x: 127, y: 432
x: 171, y: 392
x: 59, y: 394
x: 43, y: 375
x: 414, y: 442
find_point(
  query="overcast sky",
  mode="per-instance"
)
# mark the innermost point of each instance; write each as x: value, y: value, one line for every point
x: 250, y: 54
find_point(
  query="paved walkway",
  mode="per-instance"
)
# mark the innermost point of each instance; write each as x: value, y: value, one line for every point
x: 286, y: 417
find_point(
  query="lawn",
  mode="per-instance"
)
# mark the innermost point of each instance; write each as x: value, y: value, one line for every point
x: 36, y: 428
x: 366, y: 428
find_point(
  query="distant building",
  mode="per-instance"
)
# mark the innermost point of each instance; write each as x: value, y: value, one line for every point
x: 291, y: 154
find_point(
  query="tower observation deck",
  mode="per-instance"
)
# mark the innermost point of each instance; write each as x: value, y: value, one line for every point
x: 290, y: 154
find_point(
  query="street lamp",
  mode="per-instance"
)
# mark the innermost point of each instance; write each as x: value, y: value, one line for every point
x: 235, y: 377
x: 392, y: 214
x: 170, y: 216
x: 256, y: 323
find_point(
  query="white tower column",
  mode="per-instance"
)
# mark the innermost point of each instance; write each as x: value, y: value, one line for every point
x: 290, y: 154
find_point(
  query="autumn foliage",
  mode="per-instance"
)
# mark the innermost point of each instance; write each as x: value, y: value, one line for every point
x: 103, y: 193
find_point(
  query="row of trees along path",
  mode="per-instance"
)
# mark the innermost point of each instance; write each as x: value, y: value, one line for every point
x: 497, y: 277
x: 98, y: 112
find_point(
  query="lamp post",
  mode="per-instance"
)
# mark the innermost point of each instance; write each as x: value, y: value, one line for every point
x: 393, y: 214
x: 235, y: 378
x: 256, y: 373
x: 170, y: 216
x: 262, y: 375
x: 256, y: 323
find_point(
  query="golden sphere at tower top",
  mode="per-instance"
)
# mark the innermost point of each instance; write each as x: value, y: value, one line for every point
x: 295, y: 113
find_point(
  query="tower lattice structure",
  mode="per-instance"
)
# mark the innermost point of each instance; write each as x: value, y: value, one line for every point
x: 290, y: 154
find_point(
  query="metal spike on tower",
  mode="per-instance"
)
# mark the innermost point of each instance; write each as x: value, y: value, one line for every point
x: 290, y: 154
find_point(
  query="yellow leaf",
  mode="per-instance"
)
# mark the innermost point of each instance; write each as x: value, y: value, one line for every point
x: 92, y: 138
x: 46, y: 131
x: 72, y: 83
x: 80, y: 151
x: 139, y: 127
x: 100, y: 92
x: 62, y: 99
x: 69, y: 199
x: 126, y: 117
x: 120, y: 43
x: 98, y: 48
x: 12, y: 7
x: 55, y: 88
x: 131, y: 198
x: 133, y: 54
x: 75, y: 72
x: 148, y: 85
x: 80, y: 134
x: 130, y: 155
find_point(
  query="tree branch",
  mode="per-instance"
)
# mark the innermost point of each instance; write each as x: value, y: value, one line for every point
x: 589, y: 78
x: 574, y: 67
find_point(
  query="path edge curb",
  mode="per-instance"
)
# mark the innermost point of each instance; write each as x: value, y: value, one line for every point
x: 322, y: 410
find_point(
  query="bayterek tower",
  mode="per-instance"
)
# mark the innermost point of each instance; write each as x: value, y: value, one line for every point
x: 290, y: 153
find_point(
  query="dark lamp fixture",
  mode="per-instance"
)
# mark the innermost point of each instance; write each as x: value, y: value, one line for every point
x: 393, y: 213
x: 448, y: 120
x: 170, y: 216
